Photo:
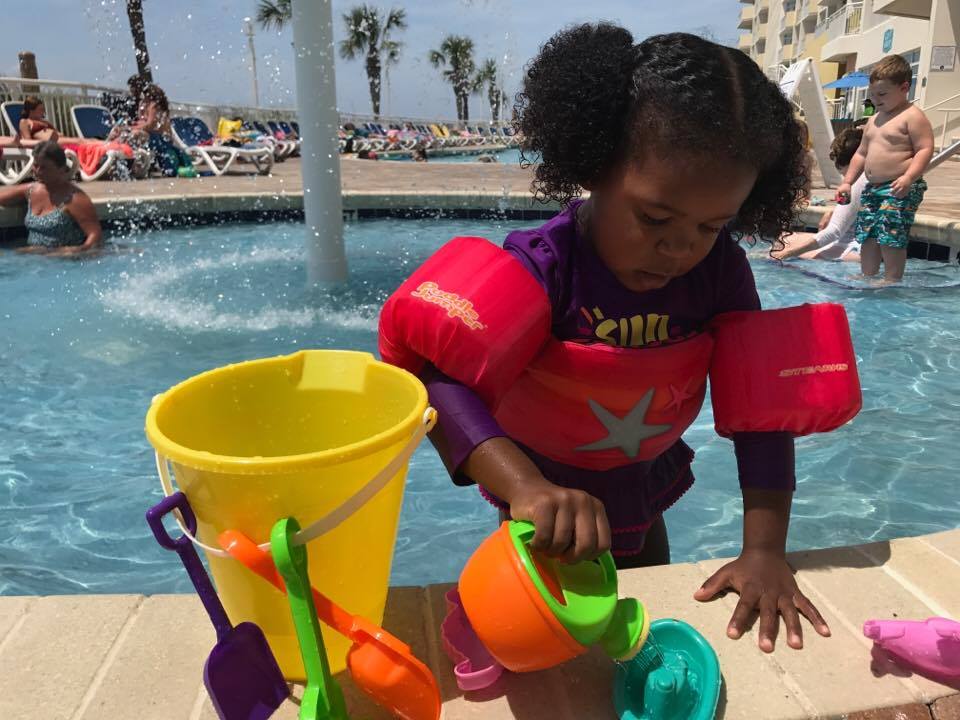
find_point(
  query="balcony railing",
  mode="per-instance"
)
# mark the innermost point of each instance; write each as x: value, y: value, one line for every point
x: 837, y: 108
x: 60, y: 95
x: 848, y: 20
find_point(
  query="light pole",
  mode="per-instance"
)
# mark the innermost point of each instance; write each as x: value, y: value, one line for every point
x: 248, y: 29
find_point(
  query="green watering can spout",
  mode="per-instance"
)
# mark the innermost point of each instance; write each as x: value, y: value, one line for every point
x: 627, y: 631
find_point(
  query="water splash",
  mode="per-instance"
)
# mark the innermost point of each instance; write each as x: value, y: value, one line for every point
x: 159, y: 296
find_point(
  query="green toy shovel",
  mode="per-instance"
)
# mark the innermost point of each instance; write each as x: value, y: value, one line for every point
x: 322, y: 698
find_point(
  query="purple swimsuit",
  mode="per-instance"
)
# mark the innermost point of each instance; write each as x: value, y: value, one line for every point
x: 590, y: 304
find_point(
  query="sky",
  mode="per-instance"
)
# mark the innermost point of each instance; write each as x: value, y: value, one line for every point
x: 200, y: 54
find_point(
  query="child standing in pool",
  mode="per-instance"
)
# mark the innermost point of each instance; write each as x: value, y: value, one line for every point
x: 637, y: 271
x: 896, y: 148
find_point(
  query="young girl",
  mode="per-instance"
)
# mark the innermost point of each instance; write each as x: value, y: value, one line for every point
x: 681, y: 143
x: 153, y: 130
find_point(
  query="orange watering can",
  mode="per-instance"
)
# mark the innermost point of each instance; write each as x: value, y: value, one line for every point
x: 380, y: 664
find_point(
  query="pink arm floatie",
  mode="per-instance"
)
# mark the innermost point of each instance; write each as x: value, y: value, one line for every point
x: 474, y: 311
x: 790, y: 370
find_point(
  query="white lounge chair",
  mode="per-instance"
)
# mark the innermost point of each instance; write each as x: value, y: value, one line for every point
x: 16, y: 164
x: 12, y: 112
x: 282, y: 149
x: 193, y: 135
x: 94, y: 122
x: 477, y: 138
x: 275, y: 128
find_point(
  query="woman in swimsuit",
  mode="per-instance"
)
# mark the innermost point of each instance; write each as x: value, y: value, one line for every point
x: 35, y: 126
x: 60, y: 219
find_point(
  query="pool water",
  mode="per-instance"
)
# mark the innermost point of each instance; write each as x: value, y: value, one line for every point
x: 87, y: 344
x: 510, y: 156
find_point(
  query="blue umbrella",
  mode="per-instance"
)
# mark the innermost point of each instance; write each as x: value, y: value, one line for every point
x: 850, y: 80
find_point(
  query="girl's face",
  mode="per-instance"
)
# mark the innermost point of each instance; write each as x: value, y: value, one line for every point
x: 38, y: 113
x: 655, y: 220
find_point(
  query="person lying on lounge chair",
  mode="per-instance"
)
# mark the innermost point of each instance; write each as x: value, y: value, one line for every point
x: 35, y: 126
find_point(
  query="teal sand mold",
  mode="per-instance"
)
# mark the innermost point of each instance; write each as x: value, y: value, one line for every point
x: 676, y: 676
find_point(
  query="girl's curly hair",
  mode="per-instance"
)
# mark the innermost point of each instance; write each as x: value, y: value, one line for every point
x: 593, y: 99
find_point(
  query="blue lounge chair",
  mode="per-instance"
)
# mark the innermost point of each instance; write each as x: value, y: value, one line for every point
x: 193, y: 135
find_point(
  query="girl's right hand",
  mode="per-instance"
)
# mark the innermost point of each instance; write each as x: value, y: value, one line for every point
x: 570, y: 524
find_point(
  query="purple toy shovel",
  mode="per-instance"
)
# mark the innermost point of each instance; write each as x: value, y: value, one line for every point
x: 241, y: 674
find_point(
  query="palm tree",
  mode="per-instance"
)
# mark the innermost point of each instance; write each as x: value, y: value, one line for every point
x: 135, y: 15
x: 486, y: 79
x: 275, y: 15
x: 456, y: 55
x: 368, y: 34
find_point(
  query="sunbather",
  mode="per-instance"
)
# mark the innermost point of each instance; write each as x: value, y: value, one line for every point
x: 35, y: 126
x: 152, y: 128
x: 17, y: 142
x: 125, y: 108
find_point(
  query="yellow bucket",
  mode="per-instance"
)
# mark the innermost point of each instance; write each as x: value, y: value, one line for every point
x: 300, y: 436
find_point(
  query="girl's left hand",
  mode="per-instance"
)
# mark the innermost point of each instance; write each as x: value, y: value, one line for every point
x: 765, y: 582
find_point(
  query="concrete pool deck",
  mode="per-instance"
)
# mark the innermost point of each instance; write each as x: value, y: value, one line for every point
x: 117, y: 656
x: 370, y: 186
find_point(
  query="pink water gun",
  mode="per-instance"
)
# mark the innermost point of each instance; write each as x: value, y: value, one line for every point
x: 930, y: 646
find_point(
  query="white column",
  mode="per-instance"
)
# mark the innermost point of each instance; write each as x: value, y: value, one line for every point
x: 319, y: 120
x: 937, y: 86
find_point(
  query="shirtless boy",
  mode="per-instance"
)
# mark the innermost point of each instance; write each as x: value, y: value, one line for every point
x: 897, y: 146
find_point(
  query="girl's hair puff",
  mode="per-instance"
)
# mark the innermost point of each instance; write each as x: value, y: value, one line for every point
x: 593, y: 99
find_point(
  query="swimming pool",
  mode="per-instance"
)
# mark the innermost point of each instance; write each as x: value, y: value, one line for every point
x: 511, y: 156
x: 86, y: 345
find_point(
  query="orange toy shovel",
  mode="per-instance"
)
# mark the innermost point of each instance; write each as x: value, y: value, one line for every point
x: 380, y: 664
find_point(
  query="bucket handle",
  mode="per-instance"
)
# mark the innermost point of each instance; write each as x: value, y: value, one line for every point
x: 333, y: 518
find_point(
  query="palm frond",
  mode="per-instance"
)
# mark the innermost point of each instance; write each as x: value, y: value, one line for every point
x: 396, y: 18
x: 390, y: 50
x: 358, y: 38
x: 274, y: 14
x: 486, y: 76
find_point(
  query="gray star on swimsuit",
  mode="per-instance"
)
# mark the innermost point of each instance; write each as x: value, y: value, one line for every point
x: 626, y: 433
